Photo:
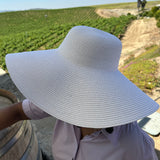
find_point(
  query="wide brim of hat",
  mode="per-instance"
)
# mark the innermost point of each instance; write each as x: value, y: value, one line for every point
x: 79, y: 95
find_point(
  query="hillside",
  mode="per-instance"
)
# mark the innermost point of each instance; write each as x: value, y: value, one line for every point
x: 131, y: 5
x: 140, y: 34
x: 140, y: 57
x: 25, y: 21
x: 34, y: 30
x: 37, y: 32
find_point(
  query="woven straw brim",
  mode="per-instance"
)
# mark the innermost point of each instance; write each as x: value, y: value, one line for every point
x: 76, y: 94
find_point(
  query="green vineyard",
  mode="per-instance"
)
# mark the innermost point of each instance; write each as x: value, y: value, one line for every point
x: 51, y: 35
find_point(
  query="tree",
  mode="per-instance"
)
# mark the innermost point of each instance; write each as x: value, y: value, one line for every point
x: 138, y: 4
x: 141, y: 4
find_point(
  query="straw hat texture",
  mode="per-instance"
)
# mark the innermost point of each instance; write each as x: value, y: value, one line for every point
x: 79, y: 82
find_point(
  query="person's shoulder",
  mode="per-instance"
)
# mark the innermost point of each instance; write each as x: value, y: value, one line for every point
x: 134, y: 133
x: 136, y: 142
x: 129, y: 129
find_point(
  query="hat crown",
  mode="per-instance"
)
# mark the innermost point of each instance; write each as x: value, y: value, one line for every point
x: 91, y: 47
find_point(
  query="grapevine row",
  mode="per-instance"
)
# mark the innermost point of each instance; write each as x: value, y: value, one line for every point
x: 51, y: 36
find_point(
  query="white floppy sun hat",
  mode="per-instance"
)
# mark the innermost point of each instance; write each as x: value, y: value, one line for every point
x: 79, y: 82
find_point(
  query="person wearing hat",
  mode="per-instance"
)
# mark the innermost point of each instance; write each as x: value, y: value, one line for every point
x: 79, y: 83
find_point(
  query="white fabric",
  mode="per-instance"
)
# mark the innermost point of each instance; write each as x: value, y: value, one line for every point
x: 127, y: 142
x: 32, y: 111
x: 79, y: 82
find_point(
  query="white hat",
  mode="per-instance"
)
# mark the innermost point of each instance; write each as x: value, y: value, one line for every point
x: 79, y: 82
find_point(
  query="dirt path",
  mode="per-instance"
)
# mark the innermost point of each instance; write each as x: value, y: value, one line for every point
x: 107, y: 13
x: 140, y: 34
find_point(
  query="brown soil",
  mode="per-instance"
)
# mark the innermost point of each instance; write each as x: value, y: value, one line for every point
x: 140, y: 34
x: 107, y: 13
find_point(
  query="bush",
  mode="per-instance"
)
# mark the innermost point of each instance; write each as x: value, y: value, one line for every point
x: 157, y: 14
x: 158, y: 23
x: 154, y: 10
x: 144, y: 14
x: 150, y: 14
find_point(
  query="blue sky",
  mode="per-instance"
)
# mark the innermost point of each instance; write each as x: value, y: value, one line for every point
x: 51, y: 4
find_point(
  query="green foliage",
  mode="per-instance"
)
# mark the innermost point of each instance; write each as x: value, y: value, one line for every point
x: 143, y: 4
x: 129, y: 59
x: 51, y: 36
x: 146, y: 14
x: 142, y: 70
x: 152, y: 52
x: 150, y: 14
x: 157, y: 14
x: 154, y: 10
x: 131, y: 5
x: 25, y: 21
x: 158, y: 24
x: 142, y: 74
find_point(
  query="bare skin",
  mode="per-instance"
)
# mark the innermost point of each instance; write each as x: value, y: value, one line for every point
x: 87, y: 131
x: 11, y: 115
x: 14, y: 113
